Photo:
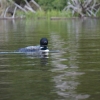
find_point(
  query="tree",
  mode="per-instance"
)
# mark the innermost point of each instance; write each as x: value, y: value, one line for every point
x: 52, y: 4
x: 58, y: 4
x: 45, y: 4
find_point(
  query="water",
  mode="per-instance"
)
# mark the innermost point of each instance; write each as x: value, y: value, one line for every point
x: 73, y: 73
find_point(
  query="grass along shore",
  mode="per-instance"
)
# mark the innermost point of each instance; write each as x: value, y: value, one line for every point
x: 47, y: 14
x: 50, y: 14
x: 54, y: 14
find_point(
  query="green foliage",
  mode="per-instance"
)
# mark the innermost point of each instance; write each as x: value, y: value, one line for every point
x: 52, y: 4
x: 53, y: 13
x: 49, y: 14
x: 40, y: 14
x: 29, y: 15
x: 45, y: 4
x: 59, y: 4
x: 98, y: 14
x: 67, y: 14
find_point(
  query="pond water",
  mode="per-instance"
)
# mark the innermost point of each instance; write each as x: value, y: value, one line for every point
x: 73, y: 73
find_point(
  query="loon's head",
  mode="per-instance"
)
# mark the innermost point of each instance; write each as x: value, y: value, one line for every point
x: 43, y: 43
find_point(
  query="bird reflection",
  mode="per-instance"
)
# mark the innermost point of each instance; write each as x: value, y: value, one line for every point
x: 44, y: 60
x: 43, y: 57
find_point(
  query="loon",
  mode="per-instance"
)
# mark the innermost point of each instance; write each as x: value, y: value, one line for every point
x: 42, y: 49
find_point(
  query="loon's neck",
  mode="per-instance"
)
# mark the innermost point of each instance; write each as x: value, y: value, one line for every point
x: 43, y: 47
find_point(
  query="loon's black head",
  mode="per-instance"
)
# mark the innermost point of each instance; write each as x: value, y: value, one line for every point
x: 44, y: 43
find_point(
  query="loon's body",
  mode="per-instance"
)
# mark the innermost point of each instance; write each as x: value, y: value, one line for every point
x: 42, y: 49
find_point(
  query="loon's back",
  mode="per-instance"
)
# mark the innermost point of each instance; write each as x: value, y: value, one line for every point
x: 34, y: 50
x: 30, y: 49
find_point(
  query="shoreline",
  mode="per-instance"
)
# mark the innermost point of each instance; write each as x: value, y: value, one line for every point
x: 60, y: 18
x: 51, y: 18
x: 11, y: 18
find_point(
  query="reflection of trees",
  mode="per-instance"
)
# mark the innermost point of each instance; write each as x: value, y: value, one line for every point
x: 89, y: 58
x: 25, y: 78
x: 16, y: 31
x: 66, y: 67
x: 10, y: 29
x: 3, y: 32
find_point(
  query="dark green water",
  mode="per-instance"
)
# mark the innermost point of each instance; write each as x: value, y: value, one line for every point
x: 71, y: 74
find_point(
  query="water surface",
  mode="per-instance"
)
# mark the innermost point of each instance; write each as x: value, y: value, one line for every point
x: 71, y: 74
